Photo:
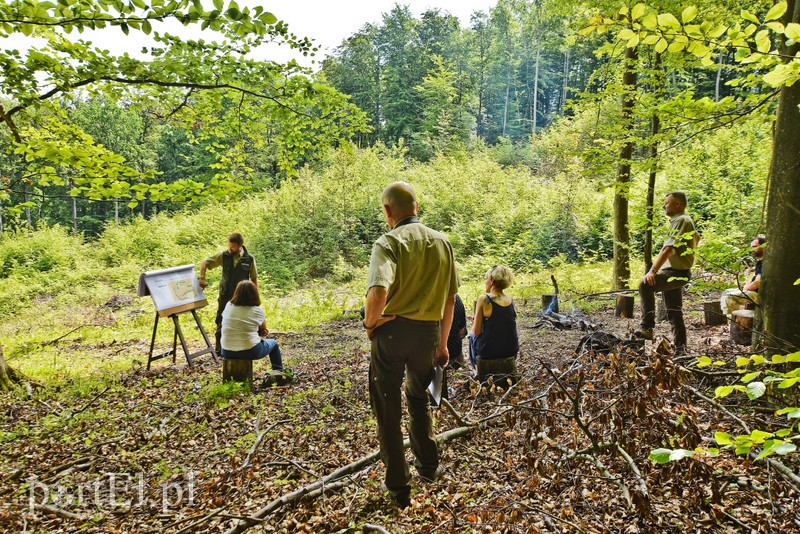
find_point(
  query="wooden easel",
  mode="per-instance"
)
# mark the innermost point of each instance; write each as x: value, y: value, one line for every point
x: 178, y: 333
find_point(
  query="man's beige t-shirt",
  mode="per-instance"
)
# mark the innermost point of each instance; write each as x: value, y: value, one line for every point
x: 683, y: 237
x: 416, y: 266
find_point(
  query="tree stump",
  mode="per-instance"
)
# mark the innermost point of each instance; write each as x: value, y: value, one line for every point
x: 237, y: 370
x: 501, y: 370
x: 661, y: 308
x: 8, y: 376
x: 712, y: 312
x: 547, y: 302
x: 742, y: 327
x: 624, y: 307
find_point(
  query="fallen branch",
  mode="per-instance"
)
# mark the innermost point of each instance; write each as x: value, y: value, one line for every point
x: 333, y: 481
x: 205, y: 519
x: 86, y: 406
x: 259, y: 438
x: 59, y: 512
x: 369, y: 527
x: 452, y: 411
x: 581, y: 455
x: 645, y: 504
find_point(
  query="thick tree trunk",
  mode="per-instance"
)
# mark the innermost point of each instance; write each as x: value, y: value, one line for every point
x: 622, y: 268
x: 8, y: 376
x: 778, y: 294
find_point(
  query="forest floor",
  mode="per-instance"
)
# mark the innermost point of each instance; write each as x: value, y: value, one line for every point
x: 564, y: 450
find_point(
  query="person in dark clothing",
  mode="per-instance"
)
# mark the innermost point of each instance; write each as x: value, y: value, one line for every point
x: 237, y: 265
x: 458, y: 331
x: 494, y: 330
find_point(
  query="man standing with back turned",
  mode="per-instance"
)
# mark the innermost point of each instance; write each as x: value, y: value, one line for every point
x: 670, y: 272
x: 409, y: 308
x: 237, y: 265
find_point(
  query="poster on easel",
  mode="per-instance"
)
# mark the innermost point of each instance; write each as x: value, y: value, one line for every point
x: 174, y: 290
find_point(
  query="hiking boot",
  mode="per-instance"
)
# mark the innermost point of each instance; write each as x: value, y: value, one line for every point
x: 402, y: 500
x: 431, y: 477
x: 644, y: 333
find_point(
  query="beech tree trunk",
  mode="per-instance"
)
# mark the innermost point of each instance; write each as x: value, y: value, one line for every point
x: 779, y: 295
x: 622, y: 267
x: 8, y: 376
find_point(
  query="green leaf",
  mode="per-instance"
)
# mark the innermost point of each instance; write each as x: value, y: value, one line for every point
x: 741, y: 361
x: 776, y: 12
x: 680, y: 454
x: 759, y: 436
x: 147, y: 28
x: 750, y: 376
x: 626, y: 34
x: 743, y: 448
x: 763, y: 42
x: 638, y: 11
x: 778, y: 358
x: 689, y: 14
x: 661, y: 45
x: 218, y: 4
x: 792, y: 32
x: 723, y: 391
x: 668, y: 20
x: 788, y: 383
x: 756, y: 390
x: 783, y: 433
x: 757, y: 359
x: 660, y: 456
x: 723, y: 438
x: 749, y: 16
x: 793, y: 357
x: 704, y: 361
x: 784, y: 448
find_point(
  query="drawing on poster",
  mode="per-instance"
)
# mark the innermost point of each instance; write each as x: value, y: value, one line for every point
x: 173, y: 290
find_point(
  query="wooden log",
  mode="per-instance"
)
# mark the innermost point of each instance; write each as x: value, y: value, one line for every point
x: 237, y: 370
x: 661, y: 308
x: 547, y: 301
x: 742, y: 327
x: 501, y: 370
x: 712, y: 312
x: 624, y: 307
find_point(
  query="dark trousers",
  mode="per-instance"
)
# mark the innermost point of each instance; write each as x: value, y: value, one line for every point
x: 670, y: 283
x: 402, y: 348
x: 221, y: 303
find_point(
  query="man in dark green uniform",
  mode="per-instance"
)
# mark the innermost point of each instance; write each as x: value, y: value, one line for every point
x: 670, y: 272
x: 237, y: 265
x: 409, y: 308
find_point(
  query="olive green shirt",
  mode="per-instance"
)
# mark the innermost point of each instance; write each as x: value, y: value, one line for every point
x: 683, y: 237
x: 215, y: 261
x: 416, y: 266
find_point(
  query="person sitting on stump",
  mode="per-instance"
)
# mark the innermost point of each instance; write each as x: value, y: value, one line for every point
x: 734, y: 298
x: 244, y: 326
x: 494, y: 329
x: 671, y: 271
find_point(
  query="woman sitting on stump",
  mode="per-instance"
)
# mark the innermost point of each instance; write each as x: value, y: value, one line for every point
x: 494, y: 330
x: 244, y: 326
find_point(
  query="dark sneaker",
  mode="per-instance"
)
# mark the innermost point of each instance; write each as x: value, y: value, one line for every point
x: 644, y: 333
x: 432, y: 477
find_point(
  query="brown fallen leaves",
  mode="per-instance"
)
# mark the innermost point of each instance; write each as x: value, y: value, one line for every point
x: 165, y: 450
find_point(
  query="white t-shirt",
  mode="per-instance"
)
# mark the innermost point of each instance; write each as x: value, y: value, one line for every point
x: 240, y: 326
